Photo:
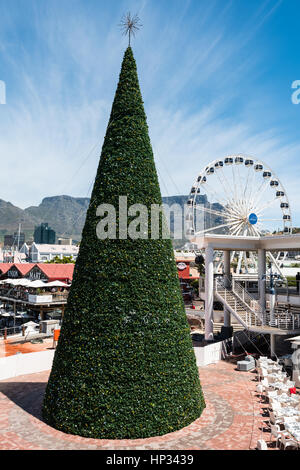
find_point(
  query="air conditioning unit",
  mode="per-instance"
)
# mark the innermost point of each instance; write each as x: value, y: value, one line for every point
x: 48, y: 326
x: 247, y: 364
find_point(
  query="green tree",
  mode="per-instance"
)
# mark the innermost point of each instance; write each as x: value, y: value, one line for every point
x: 63, y: 260
x: 124, y: 366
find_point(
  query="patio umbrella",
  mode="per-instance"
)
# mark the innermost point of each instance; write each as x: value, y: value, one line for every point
x: 37, y: 284
x: 30, y: 323
x: 24, y: 282
x: 57, y: 284
x: 12, y: 282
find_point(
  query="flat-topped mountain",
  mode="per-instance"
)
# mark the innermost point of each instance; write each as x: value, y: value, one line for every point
x: 65, y: 214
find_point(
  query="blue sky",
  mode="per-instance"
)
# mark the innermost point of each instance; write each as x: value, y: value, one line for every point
x: 215, y: 76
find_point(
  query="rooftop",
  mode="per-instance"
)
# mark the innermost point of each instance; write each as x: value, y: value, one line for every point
x: 270, y: 243
x: 45, y: 248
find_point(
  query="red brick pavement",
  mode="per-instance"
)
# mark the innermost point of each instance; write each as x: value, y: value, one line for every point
x: 15, y: 345
x: 232, y: 418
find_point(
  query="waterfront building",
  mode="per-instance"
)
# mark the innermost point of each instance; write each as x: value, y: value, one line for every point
x: 44, y: 234
x: 16, y: 240
x: 51, y: 272
x: 40, y: 253
x: 64, y: 241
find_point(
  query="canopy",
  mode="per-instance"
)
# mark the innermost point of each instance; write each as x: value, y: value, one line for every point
x: 24, y: 282
x: 57, y: 284
x: 30, y: 323
x: 13, y: 282
x: 37, y: 284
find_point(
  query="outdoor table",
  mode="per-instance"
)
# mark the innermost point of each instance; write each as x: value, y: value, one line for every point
x: 288, y: 411
x: 288, y: 400
x: 278, y: 377
x: 279, y: 386
x: 266, y: 363
x: 294, y: 430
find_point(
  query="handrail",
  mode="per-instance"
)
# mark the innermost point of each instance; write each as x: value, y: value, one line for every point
x: 253, y: 311
x: 221, y: 285
x: 11, y: 330
x: 248, y: 299
x: 242, y: 296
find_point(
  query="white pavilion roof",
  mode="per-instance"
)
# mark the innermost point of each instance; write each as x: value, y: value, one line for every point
x: 229, y: 242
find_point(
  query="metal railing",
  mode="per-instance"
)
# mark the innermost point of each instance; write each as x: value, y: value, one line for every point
x: 248, y: 299
x: 241, y: 310
x: 21, y: 295
x: 10, y: 331
x: 282, y: 320
x: 253, y: 313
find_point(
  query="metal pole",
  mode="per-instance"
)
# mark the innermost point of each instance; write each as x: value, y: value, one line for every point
x: 209, y: 293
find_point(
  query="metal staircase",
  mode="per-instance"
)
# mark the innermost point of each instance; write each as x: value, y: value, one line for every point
x: 239, y: 302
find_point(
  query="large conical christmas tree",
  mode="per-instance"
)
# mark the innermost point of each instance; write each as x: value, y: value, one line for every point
x: 124, y: 366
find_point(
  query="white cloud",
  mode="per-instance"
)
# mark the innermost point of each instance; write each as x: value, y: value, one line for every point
x: 53, y: 128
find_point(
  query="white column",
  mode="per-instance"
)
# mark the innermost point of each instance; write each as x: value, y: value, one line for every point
x: 209, y: 293
x: 227, y: 266
x: 261, y: 274
x: 272, y: 345
x: 227, y: 317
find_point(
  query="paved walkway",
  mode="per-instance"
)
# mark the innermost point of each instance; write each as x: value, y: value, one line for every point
x: 231, y: 420
x: 16, y: 344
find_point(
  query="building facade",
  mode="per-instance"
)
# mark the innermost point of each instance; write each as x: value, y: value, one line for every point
x: 44, y: 234
x: 41, y: 253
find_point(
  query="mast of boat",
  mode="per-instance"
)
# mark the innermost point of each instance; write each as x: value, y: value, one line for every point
x: 19, y: 234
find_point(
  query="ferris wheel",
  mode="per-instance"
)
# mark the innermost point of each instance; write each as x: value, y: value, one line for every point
x: 238, y: 196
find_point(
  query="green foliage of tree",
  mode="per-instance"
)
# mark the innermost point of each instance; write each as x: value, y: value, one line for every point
x: 195, y: 284
x: 63, y: 260
x: 291, y: 281
x: 124, y: 366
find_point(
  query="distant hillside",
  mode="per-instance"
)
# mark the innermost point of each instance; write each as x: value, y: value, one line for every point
x: 66, y: 215
x: 10, y: 216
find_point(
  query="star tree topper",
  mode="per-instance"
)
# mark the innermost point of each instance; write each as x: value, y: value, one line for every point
x: 130, y: 25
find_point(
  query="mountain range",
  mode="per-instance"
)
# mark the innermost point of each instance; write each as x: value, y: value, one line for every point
x: 65, y: 214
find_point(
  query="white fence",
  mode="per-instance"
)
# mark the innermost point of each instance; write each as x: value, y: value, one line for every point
x: 30, y: 363
x: 39, y: 299
x: 210, y: 354
x: 22, y: 364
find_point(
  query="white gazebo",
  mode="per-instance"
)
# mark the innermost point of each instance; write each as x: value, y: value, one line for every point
x: 228, y: 244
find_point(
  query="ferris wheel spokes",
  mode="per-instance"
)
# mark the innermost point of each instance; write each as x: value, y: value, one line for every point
x: 265, y: 207
x: 261, y: 192
x: 229, y: 224
x: 229, y: 196
x: 219, y: 199
x: 210, y: 211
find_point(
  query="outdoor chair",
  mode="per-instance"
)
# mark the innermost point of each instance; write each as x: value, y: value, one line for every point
x: 290, y: 384
x: 271, y: 394
x: 289, y: 419
x: 275, y: 405
x: 277, y: 433
x: 288, y: 442
x: 275, y: 419
x: 297, y: 381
